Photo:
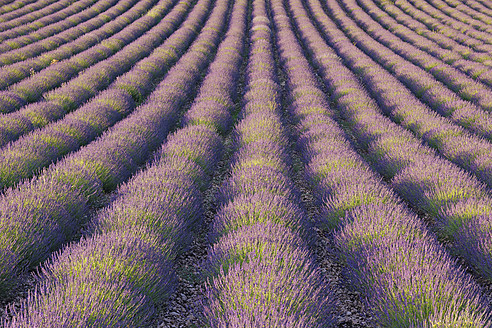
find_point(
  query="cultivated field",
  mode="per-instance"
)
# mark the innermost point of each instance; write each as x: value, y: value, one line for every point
x: 246, y: 163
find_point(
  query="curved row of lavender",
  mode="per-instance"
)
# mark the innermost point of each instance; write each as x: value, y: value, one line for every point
x: 396, y: 56
x: 470, y: 9
x: 467, y: 37
x: 97, y: 25
x: 456, y: 144
x: 433, y: 14
x: 43, y: 27
x: 29, y: 13
x: 14, y: 8
x: 448, y: 15
x: 405, y: 274
x: 441, y: 46
x: 22, y: 158
x: 449, y: 40
x: 31, y: 226
x: 127, y: 264
x: 460, y: 205
x: 260, y: 271
x: 456, y: 203
x: 480, y: 5
x: 478, y: 21
x: 422, y: 81
x: 113, y: 57
x: 141, y: 34
x: 81, y: 46
x: 79, y: 16
x: 453, y: 23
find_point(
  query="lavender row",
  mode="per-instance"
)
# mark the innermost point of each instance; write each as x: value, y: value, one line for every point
x: 146, y: 226
x: 418, y: 79
x: 483, y: 3
x: 80, y: 16
x: 20, y: 7
x: 8, y: 5
x: 447, y: 14
x: 466, y: 87
x: 43, y: 26
x: 17, y: 13
x: 426, y: 26
x: 447, y: 38
x: 474, y: 9
x: 453, y: 199
x: 32, y: 227
x: 466, y: 36
x: 92, y: 27
x: 192, y: 152
x: 374, y: 232
x: 474, y: 63
x: 215, y: 103
x: 437, y: 16
x: 23, y: 158
x: 79, y: 90
x: 464, y: 14
x: 11, y: 9
x: 123, y: 49
x: 478, y: 5
x: 453, y: 142
x: 434, y: 93
x: 259, y: 259
x: 20, y: 70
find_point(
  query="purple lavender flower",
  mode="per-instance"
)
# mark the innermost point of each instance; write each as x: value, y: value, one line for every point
x: 267, y: 265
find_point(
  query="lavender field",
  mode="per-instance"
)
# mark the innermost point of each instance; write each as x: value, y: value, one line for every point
x: 246, y: 163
